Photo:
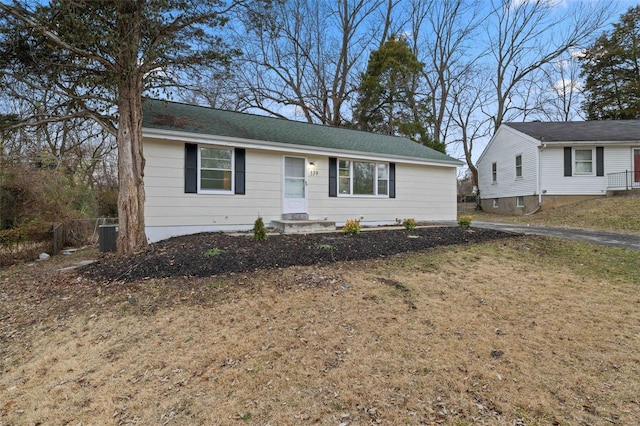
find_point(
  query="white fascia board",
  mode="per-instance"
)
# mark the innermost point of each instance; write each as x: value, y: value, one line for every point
x: 284, y: 147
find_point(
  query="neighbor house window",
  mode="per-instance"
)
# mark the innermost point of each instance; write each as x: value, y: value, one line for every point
x: 583, y: 161
x: 494, y: 172
x: 518, y: 166
x: 520, y: 201
x: 363, y: 178
x: 216, y: 169
x: 495, y: 203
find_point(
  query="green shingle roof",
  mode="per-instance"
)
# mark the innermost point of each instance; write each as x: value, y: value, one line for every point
x: 174, y: 116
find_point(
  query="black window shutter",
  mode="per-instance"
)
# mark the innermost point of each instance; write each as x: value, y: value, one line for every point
x: 392, y: 180
x: 599, y: 161
x: 190, y: 168
x: 567, y: 161
x: 240, y: 171
x: 333, y: 177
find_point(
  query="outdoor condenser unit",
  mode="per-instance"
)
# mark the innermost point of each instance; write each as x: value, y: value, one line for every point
x: 107, y: 237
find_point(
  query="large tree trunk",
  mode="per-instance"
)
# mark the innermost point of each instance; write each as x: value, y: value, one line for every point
x: 131, y: 236
x: 131, y: 196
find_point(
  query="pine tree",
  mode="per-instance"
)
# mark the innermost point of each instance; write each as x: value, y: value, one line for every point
x: 388, y: 99
x: 611, y: 67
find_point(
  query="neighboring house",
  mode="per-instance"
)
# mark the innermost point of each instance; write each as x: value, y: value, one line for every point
x: 527, y: 166
x: 213, y: 170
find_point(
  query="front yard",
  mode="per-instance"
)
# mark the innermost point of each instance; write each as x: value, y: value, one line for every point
x: 514, y: 331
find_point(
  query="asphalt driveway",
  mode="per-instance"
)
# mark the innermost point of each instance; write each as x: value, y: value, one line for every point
x: 629, y: 241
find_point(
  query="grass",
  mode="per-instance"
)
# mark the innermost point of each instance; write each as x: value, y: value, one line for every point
x: 213, y: 252
x: 618, y: 214
x: 525, y: 331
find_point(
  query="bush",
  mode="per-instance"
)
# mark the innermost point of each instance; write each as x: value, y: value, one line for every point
x: 259, y: 231
x: 351, y: 226
x: 409, y: 224
x: 465, y: 221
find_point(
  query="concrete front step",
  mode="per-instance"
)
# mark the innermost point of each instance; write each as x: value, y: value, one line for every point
x: 295, y: 216
x: 302, y: 226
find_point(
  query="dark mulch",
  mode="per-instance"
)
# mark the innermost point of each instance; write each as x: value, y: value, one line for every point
x: 209, y: 254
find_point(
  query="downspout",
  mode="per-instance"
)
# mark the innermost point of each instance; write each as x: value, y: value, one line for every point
x: 538, y: 179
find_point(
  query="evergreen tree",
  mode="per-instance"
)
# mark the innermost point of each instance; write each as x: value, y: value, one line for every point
x: 388, y: 99
x: 611, y: 68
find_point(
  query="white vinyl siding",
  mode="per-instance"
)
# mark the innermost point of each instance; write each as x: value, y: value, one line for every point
x: 553, y: 181
x: 506, y: 145
x: 425, y: 193
x: 167, y: 205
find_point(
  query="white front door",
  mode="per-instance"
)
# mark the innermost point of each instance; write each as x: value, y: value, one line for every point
x: 295, y: 185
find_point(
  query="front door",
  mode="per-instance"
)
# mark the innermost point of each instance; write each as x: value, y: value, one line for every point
x: 295, y: 185
x: 636, y: 166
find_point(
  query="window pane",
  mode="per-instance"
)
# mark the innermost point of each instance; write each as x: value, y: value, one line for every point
x: 383, y: 177
x: 215, y: 163
x: 382, y: 187
x: 344, y: 184
x: 584, y: 167
x: 383, y: 172
x: 583, y: 154
x: 212, y: 158
x: 294, y: 188
x: 215, y: 153
x: 294, y: 167
x: 215, y: 179
x: 363, y: 178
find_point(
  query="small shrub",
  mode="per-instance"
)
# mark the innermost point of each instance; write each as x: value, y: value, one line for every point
x: 465, y: 221
x: 351, y: 226
x: 213, y: 252
x: 409, y: 224
x: 259, y: 231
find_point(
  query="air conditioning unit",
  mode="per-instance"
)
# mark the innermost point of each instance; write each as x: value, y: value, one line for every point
x: 107, y: 237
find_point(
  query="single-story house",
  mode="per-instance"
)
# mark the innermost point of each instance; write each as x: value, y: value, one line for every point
x: 537, y: 165
x: 211, y: 170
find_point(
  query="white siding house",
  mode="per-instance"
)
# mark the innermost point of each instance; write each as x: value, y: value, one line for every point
x: 209, y: 170
x: 528, y: 166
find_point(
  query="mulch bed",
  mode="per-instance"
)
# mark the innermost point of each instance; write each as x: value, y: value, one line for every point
x: 209, y: 254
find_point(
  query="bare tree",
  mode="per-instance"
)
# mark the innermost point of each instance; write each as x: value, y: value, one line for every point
x: 471, y: 95
x: 526, y: 35
x: 303, y: 57
x: 442, y: 33
x: 561, y: 95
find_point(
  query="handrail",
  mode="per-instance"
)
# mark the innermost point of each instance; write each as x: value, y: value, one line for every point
x: 629, y: 179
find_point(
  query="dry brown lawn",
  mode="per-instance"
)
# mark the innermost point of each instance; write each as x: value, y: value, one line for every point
x: 526, y: 331
x: 617, y: 214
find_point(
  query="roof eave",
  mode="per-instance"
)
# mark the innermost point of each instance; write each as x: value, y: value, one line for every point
x: 279, y: 146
